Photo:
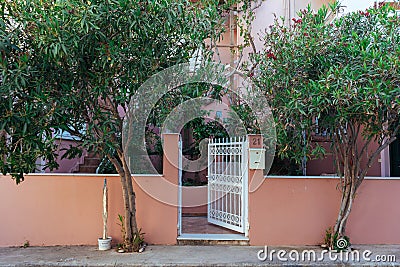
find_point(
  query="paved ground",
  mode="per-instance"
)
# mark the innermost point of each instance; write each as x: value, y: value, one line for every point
x: 192, y: 256
x: 200, y: 225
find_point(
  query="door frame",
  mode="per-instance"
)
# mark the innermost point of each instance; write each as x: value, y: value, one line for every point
x: 180, y: 186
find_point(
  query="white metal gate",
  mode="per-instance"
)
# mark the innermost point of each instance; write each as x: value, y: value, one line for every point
x: 228, y: 183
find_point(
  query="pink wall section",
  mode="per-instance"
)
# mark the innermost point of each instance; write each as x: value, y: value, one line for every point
x: 194, y: 200
x: 66, y: 209
x: 56, y: 210
x: 62, y: 209
x: 292, y: 211
x: 297, y: 211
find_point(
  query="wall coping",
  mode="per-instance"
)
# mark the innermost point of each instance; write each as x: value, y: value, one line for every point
x: 88, y: 174
x: 326, y: 177
x: 161, y: 175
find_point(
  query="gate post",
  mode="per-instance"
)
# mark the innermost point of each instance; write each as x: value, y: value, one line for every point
x: 171, y: 172
x: 256, y: 176
x: 171, y: 157
x: 256, y: 168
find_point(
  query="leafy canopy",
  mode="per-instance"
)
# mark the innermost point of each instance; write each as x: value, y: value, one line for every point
x: 74, y: 65
x: 344, y: 73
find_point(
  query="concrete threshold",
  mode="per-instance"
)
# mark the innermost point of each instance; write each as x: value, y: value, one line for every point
x: 213, y: 239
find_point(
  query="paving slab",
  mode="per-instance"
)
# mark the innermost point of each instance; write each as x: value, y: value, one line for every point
x: 376, y: 255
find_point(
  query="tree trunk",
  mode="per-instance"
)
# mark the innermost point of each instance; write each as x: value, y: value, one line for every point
x: 132, y: 239
x: 349, y: 160
x: 345, y: 209
x: 348, y: 156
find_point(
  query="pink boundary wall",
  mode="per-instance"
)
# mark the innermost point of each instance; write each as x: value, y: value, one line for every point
x: 297, y: 211
x: 61, y: 210
x: 56, y: 209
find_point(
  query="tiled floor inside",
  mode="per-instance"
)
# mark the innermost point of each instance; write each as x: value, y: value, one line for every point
x: 199, y: 225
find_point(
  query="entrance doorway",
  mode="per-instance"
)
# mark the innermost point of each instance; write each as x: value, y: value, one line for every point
x: 224, y: 215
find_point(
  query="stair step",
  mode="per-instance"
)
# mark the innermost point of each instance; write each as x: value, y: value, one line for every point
x: 213, y: 239
x: 91, y: 161
x: 87, y: 169
x: 92, y: 155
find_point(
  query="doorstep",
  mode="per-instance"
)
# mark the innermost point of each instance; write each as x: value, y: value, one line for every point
x: 213, y: 239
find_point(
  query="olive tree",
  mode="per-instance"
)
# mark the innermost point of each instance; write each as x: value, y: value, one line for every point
x: 341, y: 75
x: 74, y: 66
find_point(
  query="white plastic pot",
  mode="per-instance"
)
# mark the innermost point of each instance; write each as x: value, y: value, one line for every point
x: 104, y: 244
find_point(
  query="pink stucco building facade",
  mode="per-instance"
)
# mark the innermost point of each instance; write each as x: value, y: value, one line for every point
x: 63, y: 208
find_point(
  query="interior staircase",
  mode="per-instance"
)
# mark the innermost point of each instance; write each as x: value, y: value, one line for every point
x: 87, y: 164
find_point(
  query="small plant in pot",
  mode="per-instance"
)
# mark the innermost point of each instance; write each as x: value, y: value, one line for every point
x: 105, y: 240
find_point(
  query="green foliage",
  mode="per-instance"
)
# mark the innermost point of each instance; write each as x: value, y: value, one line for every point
x: 26, y: 114
x: 344, y: 72
x: 206, y: 129
x: 246, y: 115
x: 328, y: 237
x: 337, y: 245
x: 193, y: 182
x: 178, y: 96
x: 332, y: 240
x: 138, y: 238
x: 106, y: 166
x: 201, y: 129
x: 74, y: 65
x: 121, y: 223
x: 285, y: 167
x: 26, y: 244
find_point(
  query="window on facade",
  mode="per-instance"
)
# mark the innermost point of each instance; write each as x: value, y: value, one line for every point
x: 218, y: 114
x: 68, y: 136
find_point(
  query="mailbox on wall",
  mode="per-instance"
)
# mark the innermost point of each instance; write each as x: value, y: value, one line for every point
x: 256, y: 158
